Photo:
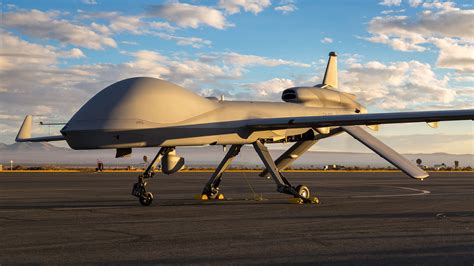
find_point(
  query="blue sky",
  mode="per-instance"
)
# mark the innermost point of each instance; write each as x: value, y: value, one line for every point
x: 396, y: 55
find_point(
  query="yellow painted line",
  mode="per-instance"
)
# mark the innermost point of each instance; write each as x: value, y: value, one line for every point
x: 231, y: 170
x: 41, y: 171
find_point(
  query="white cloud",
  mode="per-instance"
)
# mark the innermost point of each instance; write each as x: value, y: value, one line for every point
x: 448, y: 28
x: 45, y: 25
x: 243, y: 60
x: 97, y: 15
x: 451, y: 22
x: 415, y: 3
x: 131, y: 24
x: 162, y: 26
x: 100, y: 28
x: 253, y: 6
x: 271, y: 87
x: 189, y: 41
x: 32, y: 83
x: 386, y: 12
x: 454, y: 54
x: 17, y: 54
x: 465, y: 79
x: 73, y: 53
x: 326, y: 40
x: 288, y: 8
x: 189, y: 16
x: 129, y: 42
x: 89, y: 2
x: 397, y: 85
x: 390, y: 2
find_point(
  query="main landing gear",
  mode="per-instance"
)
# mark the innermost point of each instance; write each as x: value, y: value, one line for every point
x: 301, y: 193
x: 211, y: 189
x: 139, y: 189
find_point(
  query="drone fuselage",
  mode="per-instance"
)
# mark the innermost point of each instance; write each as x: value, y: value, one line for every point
x: 148, y: 112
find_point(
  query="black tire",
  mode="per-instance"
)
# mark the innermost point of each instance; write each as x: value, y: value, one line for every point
x: 146, y: 199
x: 303, y: 191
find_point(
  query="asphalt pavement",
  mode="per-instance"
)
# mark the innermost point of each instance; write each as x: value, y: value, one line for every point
x: 363, y: 218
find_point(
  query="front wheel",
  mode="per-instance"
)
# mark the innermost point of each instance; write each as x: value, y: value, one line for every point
x: 146, y: 199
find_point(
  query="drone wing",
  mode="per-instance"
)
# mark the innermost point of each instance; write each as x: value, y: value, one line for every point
x: 349, y: 123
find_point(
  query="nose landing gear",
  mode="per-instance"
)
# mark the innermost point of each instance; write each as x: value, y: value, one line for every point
x: 139, y: 189
x: 146, y: 199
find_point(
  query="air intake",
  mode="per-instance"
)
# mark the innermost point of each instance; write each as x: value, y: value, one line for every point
x: 288, y: 95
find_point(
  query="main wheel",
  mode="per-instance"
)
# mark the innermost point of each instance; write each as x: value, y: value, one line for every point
x: 146, y: 199
x: 303, y: 191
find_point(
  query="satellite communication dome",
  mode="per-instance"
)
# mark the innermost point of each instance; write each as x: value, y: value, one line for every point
x: 148, y: 99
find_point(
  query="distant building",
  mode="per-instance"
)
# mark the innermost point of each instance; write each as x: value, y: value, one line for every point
x: 438, y: 167
x: 1, y: 167
x: 333, y: 167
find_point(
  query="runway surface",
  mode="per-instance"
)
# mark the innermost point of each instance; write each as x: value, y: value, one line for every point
x: 364, y: 218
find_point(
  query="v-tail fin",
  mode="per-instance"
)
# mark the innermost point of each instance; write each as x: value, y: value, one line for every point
x: 330, y: 76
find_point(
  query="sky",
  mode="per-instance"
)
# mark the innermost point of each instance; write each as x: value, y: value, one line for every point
x: 395, y: 55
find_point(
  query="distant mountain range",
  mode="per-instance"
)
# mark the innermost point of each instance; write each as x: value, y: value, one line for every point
x: 45, y: 153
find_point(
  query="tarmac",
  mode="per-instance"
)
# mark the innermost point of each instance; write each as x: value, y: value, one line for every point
x: 382, y: 218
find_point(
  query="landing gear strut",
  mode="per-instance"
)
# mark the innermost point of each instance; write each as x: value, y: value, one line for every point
x: 211, y: 189
x: 300, y: 193
x: 139, y: 189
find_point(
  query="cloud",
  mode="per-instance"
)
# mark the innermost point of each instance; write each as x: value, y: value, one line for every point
x: 326, y: 40
x: 386, y: 12
x: 189, y: 16
x: 253, y: 6
x: 397, y: 85
x: 243, y: 60
x: 89, y: 2
x: 45, y: 25
x: 272, y: 87
x: 129, y: 42
x: 415, y: 3
x: 97, y: 15
x: 442, y: 24
x: 390, y: 2
x: 288, y: 8
x: 32, y: 82
x: 464, y: 79
x: 132, y: 24
x: 100, y: 28
x: 189, y: 41
x: 162, y: 26
x: 73, y: 53
x: 18, y: 53
x: 454, y: 54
